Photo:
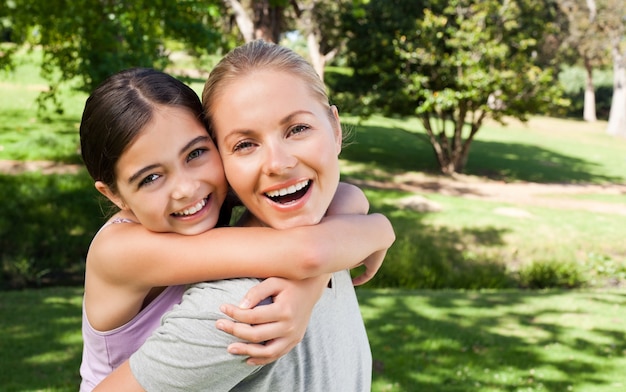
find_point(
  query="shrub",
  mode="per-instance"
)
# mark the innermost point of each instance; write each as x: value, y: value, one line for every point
x: 46, y: 225
x: 551, y: 274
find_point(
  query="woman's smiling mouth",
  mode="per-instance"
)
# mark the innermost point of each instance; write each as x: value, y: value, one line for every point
x: 290, y: 193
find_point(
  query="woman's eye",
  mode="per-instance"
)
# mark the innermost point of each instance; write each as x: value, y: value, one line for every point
x: 297, y: 129
x: 243, y: 145
x: 148, y: 180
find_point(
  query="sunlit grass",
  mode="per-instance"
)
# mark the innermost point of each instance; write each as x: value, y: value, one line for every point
x: 496, y: 340
x: 444, y: 340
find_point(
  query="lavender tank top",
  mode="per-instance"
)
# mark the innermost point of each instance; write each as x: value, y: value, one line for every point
x: 103, y: 351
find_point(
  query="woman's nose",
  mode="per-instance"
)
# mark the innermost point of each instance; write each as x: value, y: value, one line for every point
x: 278, y: 159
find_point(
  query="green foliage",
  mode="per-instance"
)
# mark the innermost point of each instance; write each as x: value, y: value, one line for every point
x: 46, y: 226
x: 551, y: 274
x: 453, y: 63
x: 603, y: 270
x: 86, y: 41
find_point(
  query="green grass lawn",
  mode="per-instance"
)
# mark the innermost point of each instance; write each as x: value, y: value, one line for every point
x: 508, y: 340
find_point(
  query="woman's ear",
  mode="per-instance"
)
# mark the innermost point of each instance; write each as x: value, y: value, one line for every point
x: 109, y: 194
x: 337, y: 128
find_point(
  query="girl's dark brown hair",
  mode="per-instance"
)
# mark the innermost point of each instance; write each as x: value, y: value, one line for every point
x: 120, y: 108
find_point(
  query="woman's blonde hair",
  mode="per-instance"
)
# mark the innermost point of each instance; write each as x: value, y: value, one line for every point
x: 255, y: 56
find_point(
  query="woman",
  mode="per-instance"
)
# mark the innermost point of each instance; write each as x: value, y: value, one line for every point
x: 279, y: 140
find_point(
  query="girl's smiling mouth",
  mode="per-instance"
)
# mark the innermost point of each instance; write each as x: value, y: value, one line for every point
x: 193, y: 209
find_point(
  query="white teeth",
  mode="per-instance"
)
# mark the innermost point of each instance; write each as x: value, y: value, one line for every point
x: 289, y: 190
x: 192, y: 210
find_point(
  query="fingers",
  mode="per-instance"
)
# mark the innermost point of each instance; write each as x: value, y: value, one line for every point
x: 372, y: 265
x: 255, y: 333
x: 261, y: 354
x: 363, y: 278
x: 259, y: 315
x: 267, y: 345
x: 267, y: 288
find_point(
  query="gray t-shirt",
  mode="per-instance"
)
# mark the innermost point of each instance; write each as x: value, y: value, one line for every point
x: 187, y: 353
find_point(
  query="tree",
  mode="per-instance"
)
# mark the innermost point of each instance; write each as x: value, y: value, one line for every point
x: 613, y: 24
x: 318, y: 21
x: 453, y: 64
x: 589, y: 43
x: 87, y: 40
x: 260, y: 19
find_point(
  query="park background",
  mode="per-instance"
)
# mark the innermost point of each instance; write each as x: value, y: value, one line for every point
x: 508, y: 269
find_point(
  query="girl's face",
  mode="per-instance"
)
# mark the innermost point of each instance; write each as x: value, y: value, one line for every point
x: 279, y: 146
x: 171, y: 177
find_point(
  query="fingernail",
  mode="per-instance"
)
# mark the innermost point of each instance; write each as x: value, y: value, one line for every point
x: 245, y: 304
x: 233, y: 350
x: 220, y: 325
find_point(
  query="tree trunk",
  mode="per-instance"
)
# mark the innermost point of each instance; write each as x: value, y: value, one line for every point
x: 268, y: 21
x: 617, y: 116
x: 317, y: 59
x: 445, y: 164
x: 244, y: 22
x: 589, y: 110
x: 263, y: 21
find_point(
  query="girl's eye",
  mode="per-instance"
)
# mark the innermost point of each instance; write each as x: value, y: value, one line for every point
x: 148, y: 180
x: 196, y: 153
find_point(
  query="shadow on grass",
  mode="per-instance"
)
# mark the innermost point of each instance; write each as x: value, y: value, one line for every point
x: 440, y: 347
x: 46, y: 225
x: 397, y: 150
x: 40, y: 341
x: 427, y: 257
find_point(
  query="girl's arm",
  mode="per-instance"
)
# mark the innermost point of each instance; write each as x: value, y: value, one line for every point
x: 121, y: 379
x: 162, y: 259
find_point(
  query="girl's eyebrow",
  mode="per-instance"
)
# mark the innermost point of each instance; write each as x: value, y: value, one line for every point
x: 192, y: 142
x: 140, y: 172
x: 196, y: 140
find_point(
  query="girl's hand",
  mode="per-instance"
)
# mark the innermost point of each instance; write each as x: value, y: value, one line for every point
x: 275, y: 328
x: 372, y: 265
x: 350, y: 199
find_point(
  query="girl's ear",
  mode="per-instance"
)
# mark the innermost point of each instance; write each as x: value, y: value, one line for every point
x: 337, y: 128
x: 109, y: 194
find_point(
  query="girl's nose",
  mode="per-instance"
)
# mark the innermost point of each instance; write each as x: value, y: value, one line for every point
x: 184, y: 187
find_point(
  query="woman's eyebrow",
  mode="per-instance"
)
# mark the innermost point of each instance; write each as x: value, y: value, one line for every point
x: 289, y: 117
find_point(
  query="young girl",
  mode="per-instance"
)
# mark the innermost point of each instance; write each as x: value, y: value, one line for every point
x: 279, y: 140
x: 144, y: 142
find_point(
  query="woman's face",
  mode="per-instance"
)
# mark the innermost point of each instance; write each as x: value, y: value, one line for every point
x: 171, y: 177
x: 279, y: 147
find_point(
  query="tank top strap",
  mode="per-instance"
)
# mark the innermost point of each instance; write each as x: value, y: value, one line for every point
x: 115, y: 221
